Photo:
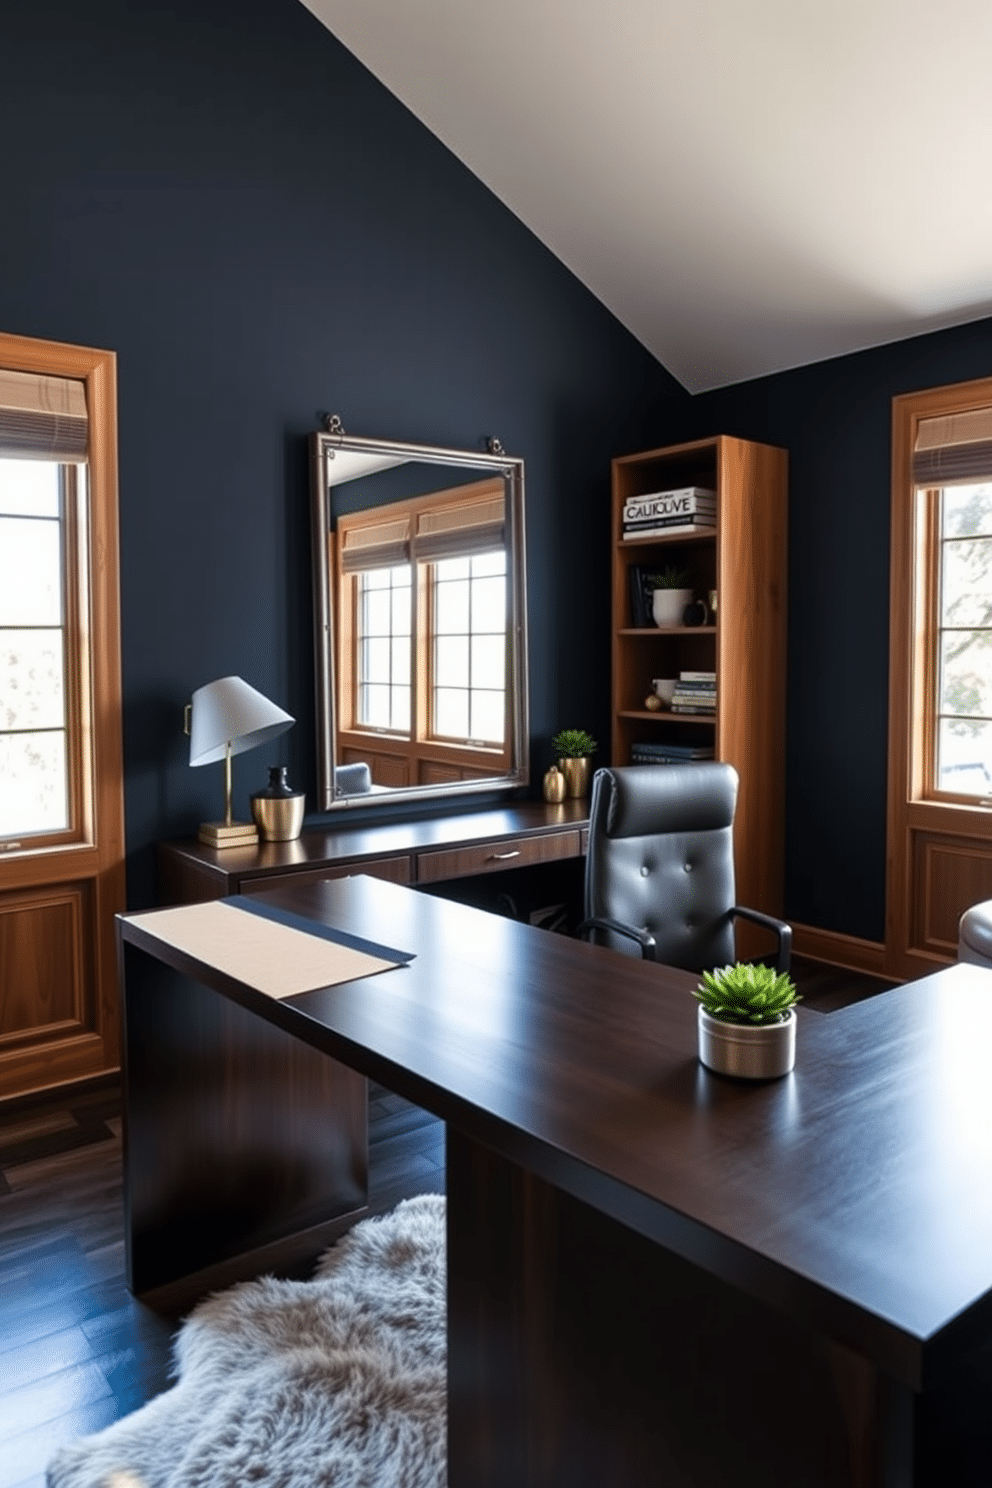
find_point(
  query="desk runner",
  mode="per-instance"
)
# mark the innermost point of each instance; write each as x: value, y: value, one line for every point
x: 272, y: 950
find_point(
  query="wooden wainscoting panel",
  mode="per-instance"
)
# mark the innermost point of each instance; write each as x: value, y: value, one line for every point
x: 53, y: 1025
x: 949, y: 875
x: 46, y: 967
x: 847, y: 951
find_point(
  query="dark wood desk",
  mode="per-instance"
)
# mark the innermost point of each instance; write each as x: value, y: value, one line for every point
x: 418, y: 851
x: 655, y: 1275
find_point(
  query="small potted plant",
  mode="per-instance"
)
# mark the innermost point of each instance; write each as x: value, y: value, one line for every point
x: 747, y: 1021
x: 670, y: 595
x: 575, y: 748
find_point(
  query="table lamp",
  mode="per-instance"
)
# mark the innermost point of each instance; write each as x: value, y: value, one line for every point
x: 225, y: 718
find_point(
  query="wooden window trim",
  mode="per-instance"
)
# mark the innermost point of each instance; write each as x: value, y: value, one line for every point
x: 90, y: 871
x: 93, y: 616
x: 914, y: 806
x: 419, y: 741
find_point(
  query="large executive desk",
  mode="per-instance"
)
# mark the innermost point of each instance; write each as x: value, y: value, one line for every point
x: 655, y: 1275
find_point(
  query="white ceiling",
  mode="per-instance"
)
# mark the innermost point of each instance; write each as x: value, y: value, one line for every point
x: 748, y: 185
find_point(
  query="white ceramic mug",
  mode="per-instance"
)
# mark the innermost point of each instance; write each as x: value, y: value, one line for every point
x: 664, y: 687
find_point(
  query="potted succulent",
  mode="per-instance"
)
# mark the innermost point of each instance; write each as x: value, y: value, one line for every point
x: 670, y: 595
x: 575, y: 748
x: 747, y: 1021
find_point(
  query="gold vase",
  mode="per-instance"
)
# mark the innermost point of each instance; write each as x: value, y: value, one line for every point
x: 555, y: 785
x: 576, y: 772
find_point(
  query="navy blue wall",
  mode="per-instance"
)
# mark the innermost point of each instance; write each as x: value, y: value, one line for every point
x: 219, y: 192
x: 216, y: 190
x: 835, y: 420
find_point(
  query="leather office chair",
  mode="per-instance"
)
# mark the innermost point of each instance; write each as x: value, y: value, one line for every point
x: 660, y: 866
x: 975, y: 934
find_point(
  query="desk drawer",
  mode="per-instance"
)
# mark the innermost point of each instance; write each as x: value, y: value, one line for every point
x: 395, y: 870
x: 493, y: 857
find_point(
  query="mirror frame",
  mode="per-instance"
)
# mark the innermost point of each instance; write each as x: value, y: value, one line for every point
x: 496, y: 461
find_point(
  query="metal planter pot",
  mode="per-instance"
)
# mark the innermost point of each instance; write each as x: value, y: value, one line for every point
x: 577, y: 771
x: 755, y: 1051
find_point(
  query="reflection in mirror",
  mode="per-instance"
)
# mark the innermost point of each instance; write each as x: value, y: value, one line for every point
x: 419, y: 620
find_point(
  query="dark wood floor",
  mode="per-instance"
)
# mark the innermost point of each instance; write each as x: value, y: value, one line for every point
x: 77, y: 1351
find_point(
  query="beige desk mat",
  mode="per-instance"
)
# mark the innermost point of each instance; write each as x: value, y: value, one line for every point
x: 276, y: 959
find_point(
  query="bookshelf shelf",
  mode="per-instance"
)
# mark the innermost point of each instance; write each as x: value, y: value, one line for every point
x: 647, y: 631
x: 742, y: 558
x: 645, y: 715
x: 663, y: 539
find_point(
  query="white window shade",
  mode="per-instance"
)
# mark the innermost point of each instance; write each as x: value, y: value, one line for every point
x: 381, y: 544
x: 462, y: 530
x: 42, y: 418
x: 953, y: 449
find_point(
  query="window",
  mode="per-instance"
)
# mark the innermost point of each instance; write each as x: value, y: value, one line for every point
x: 940, y: 696
x: 468, y: 608
x: 423, y: 603
x: 61, y: 765
x: 961, y: 612
x: 382, y: 647
x: 44, y: 683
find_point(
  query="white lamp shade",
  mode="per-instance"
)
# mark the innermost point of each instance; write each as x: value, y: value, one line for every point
x: 228, y: 711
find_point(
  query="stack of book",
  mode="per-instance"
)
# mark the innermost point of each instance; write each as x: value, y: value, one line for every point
x: 664, y: 512
x: 669, y: 754
x: 695, y: 692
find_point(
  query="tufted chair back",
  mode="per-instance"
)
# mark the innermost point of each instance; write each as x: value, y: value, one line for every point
x: 661, y: 858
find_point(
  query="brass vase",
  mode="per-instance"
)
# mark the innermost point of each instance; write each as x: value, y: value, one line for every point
x: 278, y: 810
x: 555, y: 785
x: 576, y: 772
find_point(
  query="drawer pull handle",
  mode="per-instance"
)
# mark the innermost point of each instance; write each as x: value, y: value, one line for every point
x: 500, y: 857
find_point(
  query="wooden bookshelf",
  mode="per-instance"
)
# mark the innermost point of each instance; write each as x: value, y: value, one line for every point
x: 744, y: 559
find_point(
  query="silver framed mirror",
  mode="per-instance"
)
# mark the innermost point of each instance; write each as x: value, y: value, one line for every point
x: 420, y: 620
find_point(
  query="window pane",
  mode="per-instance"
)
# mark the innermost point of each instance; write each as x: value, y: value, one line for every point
x: 966, y: 582
x: 487, y: 715
x: 967, y: 510
x: 29, y: 488
x: 489, y: 563
x: 30, y: 571
x: 374, y: 699
x: 451, y: 661
x: 451, y: 712
x: 401, y: 610
x: 966, y: 672
x: 33, y: 784
x: 451, y: 608
x: 401, y: 659
x: 489, y: 605
x: 375, y: 612
x: 375, y: 660
x: 451, y: 568
x: 964, y: 750
x: 489, y: 660
x: 399, y: 698
x: 32, y: 694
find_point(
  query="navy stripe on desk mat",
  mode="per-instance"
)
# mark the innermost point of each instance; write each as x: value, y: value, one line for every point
x: 314, y: 927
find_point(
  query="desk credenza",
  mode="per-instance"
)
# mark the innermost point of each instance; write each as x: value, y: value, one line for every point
x: 412, y: 851
x: 656, y: 1276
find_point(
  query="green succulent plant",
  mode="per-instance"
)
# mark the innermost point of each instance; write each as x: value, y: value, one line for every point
x: 669, y: 578
x: 573, y: 744
x: 747, y: 993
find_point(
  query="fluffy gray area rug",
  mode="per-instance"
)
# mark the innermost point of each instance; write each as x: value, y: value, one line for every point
x: 338, y: 1382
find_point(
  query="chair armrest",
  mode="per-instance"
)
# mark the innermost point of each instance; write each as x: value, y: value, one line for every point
x: 781, y: 931
x: 644, y: 938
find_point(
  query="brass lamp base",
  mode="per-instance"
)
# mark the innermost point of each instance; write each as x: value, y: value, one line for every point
x: 229, y: 834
